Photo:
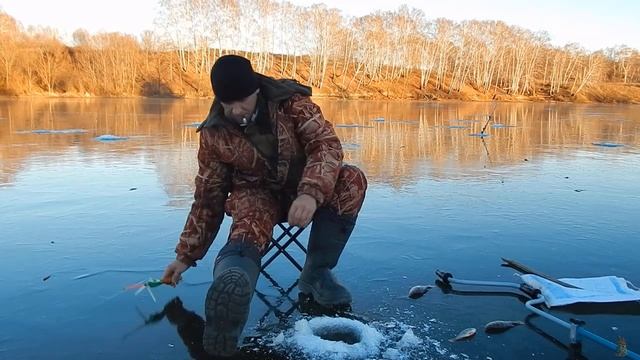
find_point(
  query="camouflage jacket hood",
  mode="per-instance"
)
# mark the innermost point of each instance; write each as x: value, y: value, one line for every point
x: 273, y: 90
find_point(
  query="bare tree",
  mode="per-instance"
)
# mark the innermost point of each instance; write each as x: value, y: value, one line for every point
x: 51, y: 57
x: 590, y: 70
x: 10, y: 35
x: 623, y: 56
x: 316, y: 44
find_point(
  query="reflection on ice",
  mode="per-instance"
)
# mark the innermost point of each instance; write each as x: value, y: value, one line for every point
x: 111, y: 138
x: 63, y: 131
x: 353, y: 126
x: 350, y: 146
x: 607, y: 144
x: 481, y: 135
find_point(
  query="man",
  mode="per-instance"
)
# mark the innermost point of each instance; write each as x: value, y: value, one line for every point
x: 266, y: 155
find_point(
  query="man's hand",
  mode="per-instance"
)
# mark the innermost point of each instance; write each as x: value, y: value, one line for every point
x: 302, y: 210
x: 173, y: 272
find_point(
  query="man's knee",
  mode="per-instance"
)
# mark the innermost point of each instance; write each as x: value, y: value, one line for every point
x: 254, y: 214
x: 354, y: 178
x: 253, y: 228
x: 350, y: 190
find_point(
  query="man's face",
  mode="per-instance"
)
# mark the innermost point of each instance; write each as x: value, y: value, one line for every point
x: 241, y: 109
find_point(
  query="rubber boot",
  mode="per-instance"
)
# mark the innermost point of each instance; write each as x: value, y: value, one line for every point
x: 228, y: 300
x: 329, y: 234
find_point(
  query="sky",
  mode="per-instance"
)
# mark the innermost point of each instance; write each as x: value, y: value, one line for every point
x: 592, y: 24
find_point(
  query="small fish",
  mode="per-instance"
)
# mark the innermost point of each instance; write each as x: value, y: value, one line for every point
x: 418, y: 291
x: 46, y: 278
x: 622, y: 347
x: 499, y: 326
x: 464, y: 334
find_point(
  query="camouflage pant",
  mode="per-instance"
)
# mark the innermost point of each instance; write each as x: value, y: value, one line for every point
x: 255, y: 212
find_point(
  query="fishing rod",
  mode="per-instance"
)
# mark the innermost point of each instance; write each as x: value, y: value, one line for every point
x: 489, y: 117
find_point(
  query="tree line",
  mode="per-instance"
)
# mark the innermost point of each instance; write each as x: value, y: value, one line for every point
x: 317, y: 45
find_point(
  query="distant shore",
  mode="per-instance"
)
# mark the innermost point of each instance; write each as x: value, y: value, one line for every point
x: 604, y: 93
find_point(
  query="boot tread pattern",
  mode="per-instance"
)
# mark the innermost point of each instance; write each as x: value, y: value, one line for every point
x: 227, y: 309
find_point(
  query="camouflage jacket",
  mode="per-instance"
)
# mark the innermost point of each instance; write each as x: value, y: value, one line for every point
x: 308, y: 161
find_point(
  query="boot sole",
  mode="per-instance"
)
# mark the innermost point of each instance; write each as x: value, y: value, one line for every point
x: 307, y: 289
x: 227, y: 309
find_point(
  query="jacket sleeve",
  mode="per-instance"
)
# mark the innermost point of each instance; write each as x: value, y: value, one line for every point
x: 213, y: 183
x: 321, y: 146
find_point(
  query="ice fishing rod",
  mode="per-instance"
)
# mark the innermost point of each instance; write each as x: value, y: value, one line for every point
x: 489, y: 117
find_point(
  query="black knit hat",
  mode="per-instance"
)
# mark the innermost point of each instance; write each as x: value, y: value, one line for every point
x: 233, y: 78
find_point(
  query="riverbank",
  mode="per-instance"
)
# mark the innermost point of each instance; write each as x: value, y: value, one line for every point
x: 602, y: 93
x: 343, y: 86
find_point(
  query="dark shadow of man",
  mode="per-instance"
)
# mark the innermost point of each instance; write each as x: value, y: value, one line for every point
x: 190, y: 327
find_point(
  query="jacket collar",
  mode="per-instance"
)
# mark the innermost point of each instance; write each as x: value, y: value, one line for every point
x: 273, y: 90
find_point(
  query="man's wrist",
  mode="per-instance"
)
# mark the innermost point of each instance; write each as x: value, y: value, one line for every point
x: 312, y: 192
x: 186, y: 260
